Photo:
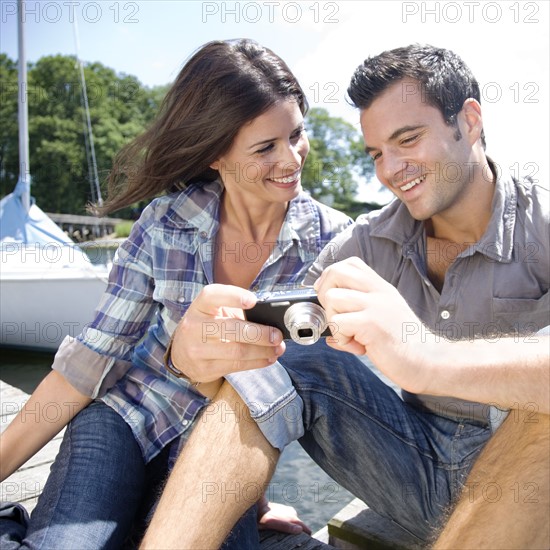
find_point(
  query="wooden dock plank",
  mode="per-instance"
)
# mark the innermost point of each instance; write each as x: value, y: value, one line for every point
x: 356, y: 526
x: 273, y: 540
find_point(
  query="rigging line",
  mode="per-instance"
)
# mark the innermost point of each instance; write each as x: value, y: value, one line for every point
x: 90, y: 151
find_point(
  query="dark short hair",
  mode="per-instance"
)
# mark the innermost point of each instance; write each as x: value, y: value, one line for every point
x: 445, y: 80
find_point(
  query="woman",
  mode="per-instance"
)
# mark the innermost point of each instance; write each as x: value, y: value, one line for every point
x: 226, y: 154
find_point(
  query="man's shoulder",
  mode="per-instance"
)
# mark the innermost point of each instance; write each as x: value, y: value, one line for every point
x: 535, y: 194
x: 392, y: 220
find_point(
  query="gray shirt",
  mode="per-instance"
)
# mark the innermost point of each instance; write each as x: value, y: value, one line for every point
x: 497, y: 287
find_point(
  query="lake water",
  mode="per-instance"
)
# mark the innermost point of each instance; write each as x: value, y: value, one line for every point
x: 298, y: 481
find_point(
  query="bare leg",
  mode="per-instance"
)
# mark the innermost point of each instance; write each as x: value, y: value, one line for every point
x: 223, y: 470
x: 506, y: 504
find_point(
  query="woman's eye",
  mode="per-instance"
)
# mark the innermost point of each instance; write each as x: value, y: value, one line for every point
x: 265, y: 149
x: 298, y: 134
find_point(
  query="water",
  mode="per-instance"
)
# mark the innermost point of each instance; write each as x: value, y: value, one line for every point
x: 297, y: 482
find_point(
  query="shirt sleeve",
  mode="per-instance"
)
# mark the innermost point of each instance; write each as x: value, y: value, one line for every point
x: 95, y: 360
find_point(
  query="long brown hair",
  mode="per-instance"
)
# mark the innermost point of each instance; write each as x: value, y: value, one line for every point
x: 224, y: 85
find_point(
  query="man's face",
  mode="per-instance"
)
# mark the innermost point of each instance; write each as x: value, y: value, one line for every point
x: 416, y: 155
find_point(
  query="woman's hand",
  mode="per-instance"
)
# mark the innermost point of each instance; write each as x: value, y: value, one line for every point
x: 213, y: 339
x: 280, y: 518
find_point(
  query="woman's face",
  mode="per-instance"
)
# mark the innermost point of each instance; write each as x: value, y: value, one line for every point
x: 266, y: 158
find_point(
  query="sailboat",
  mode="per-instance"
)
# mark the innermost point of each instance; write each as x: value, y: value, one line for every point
x: 48, y: 286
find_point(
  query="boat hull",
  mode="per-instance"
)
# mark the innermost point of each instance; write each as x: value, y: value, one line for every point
x: 38, y: 313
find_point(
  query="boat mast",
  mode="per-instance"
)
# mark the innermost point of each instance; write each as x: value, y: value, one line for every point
x: 24, y: 182
x: 88, y: 135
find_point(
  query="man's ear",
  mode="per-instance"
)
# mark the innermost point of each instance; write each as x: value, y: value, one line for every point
x: 471, y: 114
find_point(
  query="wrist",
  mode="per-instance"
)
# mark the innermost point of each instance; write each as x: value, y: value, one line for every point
x: 207, y: 389
x: 173, y: 369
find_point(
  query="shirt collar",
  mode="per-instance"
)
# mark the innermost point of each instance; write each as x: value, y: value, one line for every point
x: 197, y: 207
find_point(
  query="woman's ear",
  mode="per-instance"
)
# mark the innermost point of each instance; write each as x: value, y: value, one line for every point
x: 215, y: 165
x: 471, y: 111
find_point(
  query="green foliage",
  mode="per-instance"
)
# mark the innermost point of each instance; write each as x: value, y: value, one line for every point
x: 120, y: 108
x: 335, y: 161
x: 122, y: 230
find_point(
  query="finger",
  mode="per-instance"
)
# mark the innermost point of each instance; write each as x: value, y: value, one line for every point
x: 229, y: 353
x: 350, y: 346
x: 344, y: 300
x: 240, y: 331
x: 217, y: 369
x: 213, y: 297
x: 281, y: 526
x: 352, y: 273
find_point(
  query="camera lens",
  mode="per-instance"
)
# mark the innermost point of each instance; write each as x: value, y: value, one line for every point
x: 305, y: 322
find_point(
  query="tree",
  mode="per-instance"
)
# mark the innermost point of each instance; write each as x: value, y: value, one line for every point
x: 9, y: 145
x: 120, y: 109
x: 336, y: 160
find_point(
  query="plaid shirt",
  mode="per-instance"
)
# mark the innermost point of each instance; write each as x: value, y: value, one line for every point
x: 157, y: 272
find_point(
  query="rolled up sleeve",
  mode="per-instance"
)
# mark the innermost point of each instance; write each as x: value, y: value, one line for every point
x: 89, y: 372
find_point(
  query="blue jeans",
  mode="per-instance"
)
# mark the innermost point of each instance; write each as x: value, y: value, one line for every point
x: 100, y: 494
x: 406, y: 464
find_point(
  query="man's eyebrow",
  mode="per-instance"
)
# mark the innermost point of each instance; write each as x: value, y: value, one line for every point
x: 396, y: 134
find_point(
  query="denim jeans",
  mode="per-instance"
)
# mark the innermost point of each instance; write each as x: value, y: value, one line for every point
x: 406, y: 464
x: 100, y: 494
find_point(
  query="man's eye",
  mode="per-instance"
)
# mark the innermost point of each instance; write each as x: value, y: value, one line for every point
x: 410, y: 139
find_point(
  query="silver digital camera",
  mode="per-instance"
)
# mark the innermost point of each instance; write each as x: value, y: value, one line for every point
x: 296, y: 313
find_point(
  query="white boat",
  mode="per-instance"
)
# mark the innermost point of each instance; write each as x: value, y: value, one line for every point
x: 48, y: 287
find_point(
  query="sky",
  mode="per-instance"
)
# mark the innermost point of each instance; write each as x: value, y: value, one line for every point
x: 505, y: 43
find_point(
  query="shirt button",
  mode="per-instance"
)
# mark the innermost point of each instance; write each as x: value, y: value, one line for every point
x: 255, y: 288
x: 181, y: 299
x: 185, y: 422
x: 445, y: 314
x: 203, y: 234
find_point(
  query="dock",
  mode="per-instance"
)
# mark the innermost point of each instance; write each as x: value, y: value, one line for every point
x: 355, y: 527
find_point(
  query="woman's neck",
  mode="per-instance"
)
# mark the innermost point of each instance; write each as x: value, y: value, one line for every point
x: 253, y: 222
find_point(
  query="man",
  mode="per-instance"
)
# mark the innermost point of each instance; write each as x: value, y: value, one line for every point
x: 445, y: 290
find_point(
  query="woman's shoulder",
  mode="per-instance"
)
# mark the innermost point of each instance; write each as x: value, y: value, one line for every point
x: 179, y: 206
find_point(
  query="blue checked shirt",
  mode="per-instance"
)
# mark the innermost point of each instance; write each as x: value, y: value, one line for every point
x: 157, y: 272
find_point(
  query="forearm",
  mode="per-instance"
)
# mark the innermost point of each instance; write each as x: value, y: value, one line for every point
x: 49, y: 409
x: 509, y: 373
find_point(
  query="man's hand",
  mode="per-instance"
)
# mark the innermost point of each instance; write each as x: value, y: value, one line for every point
x: 367, y: 315
x: 213, y: 339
